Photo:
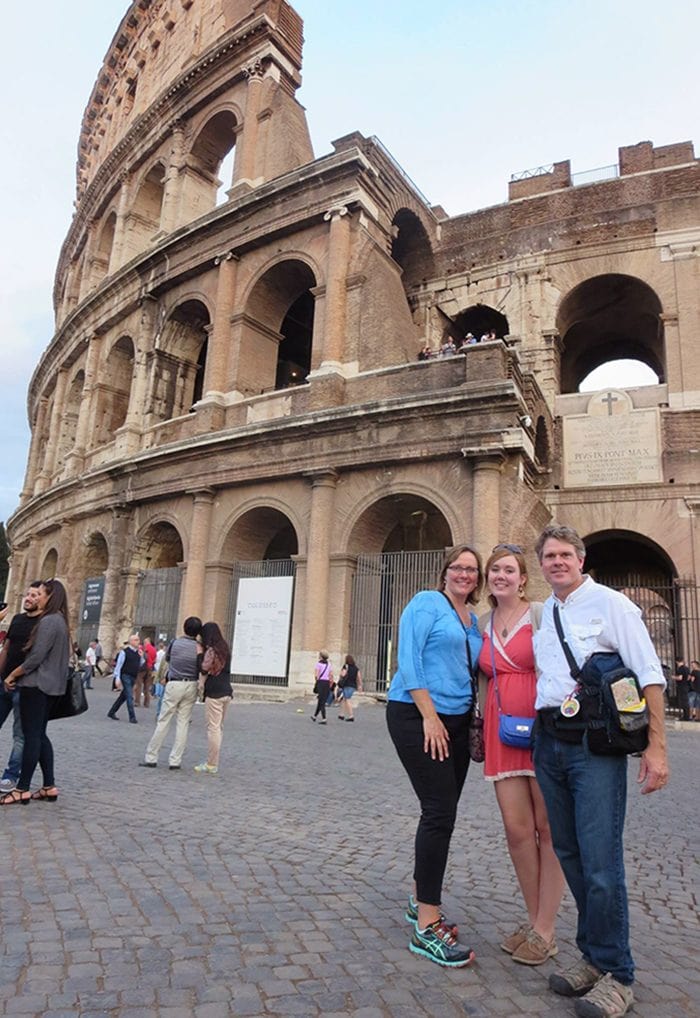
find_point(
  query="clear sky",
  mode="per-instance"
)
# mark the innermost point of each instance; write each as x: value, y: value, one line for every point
x: 462, y: 92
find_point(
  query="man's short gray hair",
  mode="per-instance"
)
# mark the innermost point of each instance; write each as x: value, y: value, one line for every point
x: 560, y: 532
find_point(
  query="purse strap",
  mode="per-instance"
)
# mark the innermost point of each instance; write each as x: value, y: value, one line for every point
x: 493, y: 666
x: 470, y: 662
x: 574, y: 667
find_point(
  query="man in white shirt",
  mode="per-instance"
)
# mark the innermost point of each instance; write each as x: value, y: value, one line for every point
x: 90, y: 662
x: 586, y: 794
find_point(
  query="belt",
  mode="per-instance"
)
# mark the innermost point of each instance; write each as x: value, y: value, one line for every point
x: 181, y: 680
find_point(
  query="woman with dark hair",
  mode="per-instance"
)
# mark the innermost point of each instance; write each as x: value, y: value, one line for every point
x: 42, y: 679
x: 218, y: 692
x: 349, y: 682
x: 508, y: 661
x: 429, y: 704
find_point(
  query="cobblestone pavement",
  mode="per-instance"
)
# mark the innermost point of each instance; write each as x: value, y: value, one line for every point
x: 277, y: 887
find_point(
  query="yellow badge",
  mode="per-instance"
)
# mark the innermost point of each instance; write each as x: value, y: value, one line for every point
x: 570, y: 707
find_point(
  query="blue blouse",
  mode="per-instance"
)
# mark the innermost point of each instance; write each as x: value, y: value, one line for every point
x: 433, y: 655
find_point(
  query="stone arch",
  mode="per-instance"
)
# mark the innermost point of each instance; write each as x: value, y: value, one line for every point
x: 178, y: 363
x: 261, y: 532
x: 401, y: 521
x: 94, y: 557
x: 606, y: 318
x: 114, y: 389
x: 158, y: 545
x: 49, y: 565
x: 613, y: 555
x: 105, y: 245
x: 143, y: 220
x: 479, y: 320
x: 213, y: 142
x: 277, y: 327
x: 69, y: 416
x: 411, y: 248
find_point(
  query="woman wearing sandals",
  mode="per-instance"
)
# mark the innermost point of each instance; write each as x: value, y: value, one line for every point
x: 428, y: 710
x: 507, y: 659
x: 41, y: 678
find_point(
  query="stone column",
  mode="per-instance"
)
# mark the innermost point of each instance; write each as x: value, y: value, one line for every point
x: 113, y: 599
x: 128, y: 437
x: 116, y: 259
x: 170, y: 217
x: 34, y: 451
x: 246, y: 148
x: 486, y: 500
x: 86, y: 414
x: 216, y: 377
x: 57, y: 411
x: 336, y: 287
x: 318, y: 561
x: 192, y: 596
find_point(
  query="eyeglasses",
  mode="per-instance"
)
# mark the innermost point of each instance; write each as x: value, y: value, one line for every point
x: 463, y: 570
x: 514, y: 548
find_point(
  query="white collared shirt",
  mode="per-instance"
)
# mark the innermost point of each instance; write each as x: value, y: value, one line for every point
x: 594, y: 618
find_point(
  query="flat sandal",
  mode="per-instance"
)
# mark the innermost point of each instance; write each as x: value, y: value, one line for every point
x: 49, y: 793
x: 15, y: 797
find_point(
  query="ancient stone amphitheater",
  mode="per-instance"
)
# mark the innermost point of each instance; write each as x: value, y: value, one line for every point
x: 233, y: 391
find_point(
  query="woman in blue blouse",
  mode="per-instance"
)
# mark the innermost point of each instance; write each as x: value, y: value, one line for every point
x: 430, y: 699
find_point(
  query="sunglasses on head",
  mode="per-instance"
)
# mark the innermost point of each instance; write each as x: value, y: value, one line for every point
x: 514, y: 548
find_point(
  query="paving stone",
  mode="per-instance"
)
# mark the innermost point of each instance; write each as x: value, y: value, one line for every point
x: 224, y: 914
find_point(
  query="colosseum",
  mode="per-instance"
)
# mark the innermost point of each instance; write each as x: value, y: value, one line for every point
x: 232, y: 419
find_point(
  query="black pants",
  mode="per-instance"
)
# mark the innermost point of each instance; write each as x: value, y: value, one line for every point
x: 323, y: 686
x: 438, y: 785
x: 34, y: 709
x: 683, y: 700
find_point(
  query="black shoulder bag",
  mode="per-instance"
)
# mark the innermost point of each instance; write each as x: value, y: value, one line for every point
x: 477, y: 749
x: 612, y: 704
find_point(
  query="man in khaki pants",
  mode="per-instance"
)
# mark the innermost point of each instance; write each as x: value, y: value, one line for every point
x: 184, y: 657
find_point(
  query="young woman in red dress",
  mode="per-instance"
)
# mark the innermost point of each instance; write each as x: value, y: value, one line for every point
x: 507, y: 630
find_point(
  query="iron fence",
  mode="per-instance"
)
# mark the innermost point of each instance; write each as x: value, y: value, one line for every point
x: 157, y: 603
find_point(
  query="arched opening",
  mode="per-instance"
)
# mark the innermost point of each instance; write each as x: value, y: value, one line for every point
x: 642, y: 570
x: 609, y: 318
x: 276, y: 336
x: 260, y: 547
x: 399, y: 542
x: 476, y: 324
x: 114, y: 390
x: 143, y: 221
x: 542, y: 443
x: 411, y: 249
x: 103, y: 255
x: 179, y: 363
x: 619, y: 374
x: 50, y: 564
x: 209, y: 159
x: 69, y: 418
x: 157, y: 557
x: 95, y: 556
x: 94, y: 559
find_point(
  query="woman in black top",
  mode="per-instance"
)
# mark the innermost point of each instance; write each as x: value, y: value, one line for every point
x: 350, y: 680
x: 218, y: 692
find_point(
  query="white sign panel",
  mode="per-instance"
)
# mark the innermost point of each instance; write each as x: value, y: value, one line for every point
x: 263, y: 619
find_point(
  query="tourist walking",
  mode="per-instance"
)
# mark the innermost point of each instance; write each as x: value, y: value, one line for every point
x: 217, y: 692
x: 42, y: 679
x: 323, y: 676
x: 507, y: 660
x: 349, y: 682
x: 429, y: 704
x: 126, y: 669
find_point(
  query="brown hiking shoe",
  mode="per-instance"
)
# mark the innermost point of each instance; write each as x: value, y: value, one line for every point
x: 607, y: 999
x: 576, y: 981
x: 516, y: 938
x: 535, y: 950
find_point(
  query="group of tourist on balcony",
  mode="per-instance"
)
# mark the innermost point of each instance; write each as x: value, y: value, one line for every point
x: 450, y: 348
x: 560, y: 786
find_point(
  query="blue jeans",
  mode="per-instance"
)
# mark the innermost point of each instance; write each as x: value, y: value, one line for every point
x: 126, y: 693
x: 586, y: 796
x: 10, y: 702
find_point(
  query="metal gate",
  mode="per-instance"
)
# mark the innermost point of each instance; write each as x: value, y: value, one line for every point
x: 157, y: 602
x: 382, y: 587
x: 255, y: 570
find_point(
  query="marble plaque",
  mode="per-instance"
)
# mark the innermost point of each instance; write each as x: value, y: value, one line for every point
x: 612, y: 443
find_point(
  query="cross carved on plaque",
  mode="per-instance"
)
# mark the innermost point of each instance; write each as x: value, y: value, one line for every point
x: 609, y: 399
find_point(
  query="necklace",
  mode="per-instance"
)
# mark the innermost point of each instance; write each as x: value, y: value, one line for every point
x: 507, y: 624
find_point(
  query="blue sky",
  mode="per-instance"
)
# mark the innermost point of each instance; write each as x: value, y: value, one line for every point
x: 462, y: 93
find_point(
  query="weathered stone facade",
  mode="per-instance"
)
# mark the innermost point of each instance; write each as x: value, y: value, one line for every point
x: 234, y: 378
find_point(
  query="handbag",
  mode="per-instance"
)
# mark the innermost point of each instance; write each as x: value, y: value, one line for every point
x: 73, y: 701
x: 612, y: 707
x: 512, y: 731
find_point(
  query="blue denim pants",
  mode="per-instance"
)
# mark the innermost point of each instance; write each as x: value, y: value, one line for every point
x: 126, y: 694
x: 586, y: 796
x: 10, y: 702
